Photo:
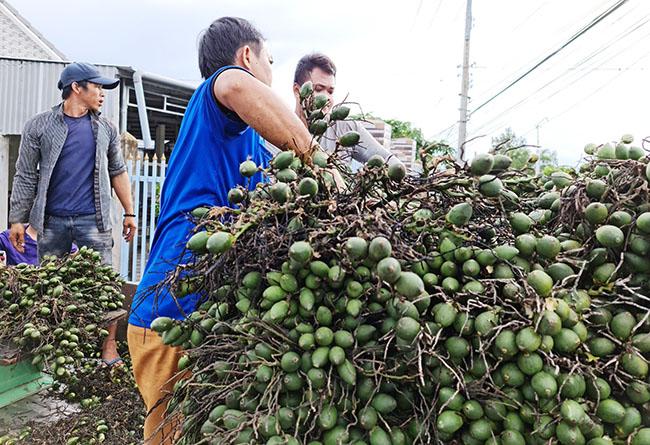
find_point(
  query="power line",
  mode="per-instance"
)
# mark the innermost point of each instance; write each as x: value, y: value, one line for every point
x: 458, y: 12
x: 610, y: 58
x: 455, y: 123
x: 560, y: 31
x: 565, y: 87
x: 417, y: 13
x: 588, y: 58
x: 521, y: 77
x: 435, y: 14
x: 590, y: 25
x: 529, y: 97
x: 446, y: 129
x: 498, y: 125
x: 529, y: 16
x: 494, y: 118
x: 600, y: 88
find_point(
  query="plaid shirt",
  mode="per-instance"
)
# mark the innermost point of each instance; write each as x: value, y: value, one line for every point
x: 42, y: 140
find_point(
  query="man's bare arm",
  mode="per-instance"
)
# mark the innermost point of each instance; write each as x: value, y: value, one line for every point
x: 122, y: 186
x: 259, y: 106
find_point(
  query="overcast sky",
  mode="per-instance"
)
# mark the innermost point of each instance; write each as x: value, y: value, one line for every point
x: 400, y: 59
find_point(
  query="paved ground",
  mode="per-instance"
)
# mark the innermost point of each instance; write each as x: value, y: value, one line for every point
x: 38, y: 407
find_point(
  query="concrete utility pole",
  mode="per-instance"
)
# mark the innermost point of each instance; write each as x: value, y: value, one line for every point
x: 462, y: 128
x: 539, y: 147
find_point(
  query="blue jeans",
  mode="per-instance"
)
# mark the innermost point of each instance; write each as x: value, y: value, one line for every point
x: 60, y: 232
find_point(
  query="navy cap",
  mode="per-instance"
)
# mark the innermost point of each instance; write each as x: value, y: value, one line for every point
x: 78, y: 71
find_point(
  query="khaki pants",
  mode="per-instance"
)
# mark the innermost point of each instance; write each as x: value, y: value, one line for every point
x: 154, y: 366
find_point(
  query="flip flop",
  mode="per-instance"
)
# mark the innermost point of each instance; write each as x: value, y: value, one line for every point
x: 111, y: 363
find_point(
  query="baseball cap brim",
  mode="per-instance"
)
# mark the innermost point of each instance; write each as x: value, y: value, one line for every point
x: 107, y: 83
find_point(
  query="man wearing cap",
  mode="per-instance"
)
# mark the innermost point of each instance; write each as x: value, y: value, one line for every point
x: 69, y: 160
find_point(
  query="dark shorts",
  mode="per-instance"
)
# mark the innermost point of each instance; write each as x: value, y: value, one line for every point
x: 60, y: 232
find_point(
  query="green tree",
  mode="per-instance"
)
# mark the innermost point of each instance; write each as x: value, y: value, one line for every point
x: 547, y: 158
x: 508, y: 143
x: 548, y: 163
x: 405, y: 129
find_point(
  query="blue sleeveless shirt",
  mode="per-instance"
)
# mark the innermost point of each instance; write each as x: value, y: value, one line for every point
x: 203, y: 167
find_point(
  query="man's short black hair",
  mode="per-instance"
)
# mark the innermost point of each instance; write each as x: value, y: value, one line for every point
x: 219, y: 43
x: 67, y: 91
x: 307, y: 63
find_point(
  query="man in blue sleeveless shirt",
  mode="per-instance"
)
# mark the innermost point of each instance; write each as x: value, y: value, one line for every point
x: 223, y: 126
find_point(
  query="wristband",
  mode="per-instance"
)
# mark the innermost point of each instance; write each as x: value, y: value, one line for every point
x: 128, y: 215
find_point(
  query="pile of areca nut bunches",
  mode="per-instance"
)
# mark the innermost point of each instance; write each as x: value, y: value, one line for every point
x: 53, y: 314
x: 480, y: 305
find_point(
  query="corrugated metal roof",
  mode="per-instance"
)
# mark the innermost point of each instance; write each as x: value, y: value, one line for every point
x: 28, y: 87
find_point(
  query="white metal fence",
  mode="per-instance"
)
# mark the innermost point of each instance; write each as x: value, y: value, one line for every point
x: 147, y: 176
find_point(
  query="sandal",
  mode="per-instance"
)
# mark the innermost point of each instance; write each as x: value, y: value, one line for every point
x: 115, y: 362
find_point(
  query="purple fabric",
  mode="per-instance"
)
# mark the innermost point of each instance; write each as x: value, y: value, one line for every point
x: 31, y: 250
x: 13, y: 256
